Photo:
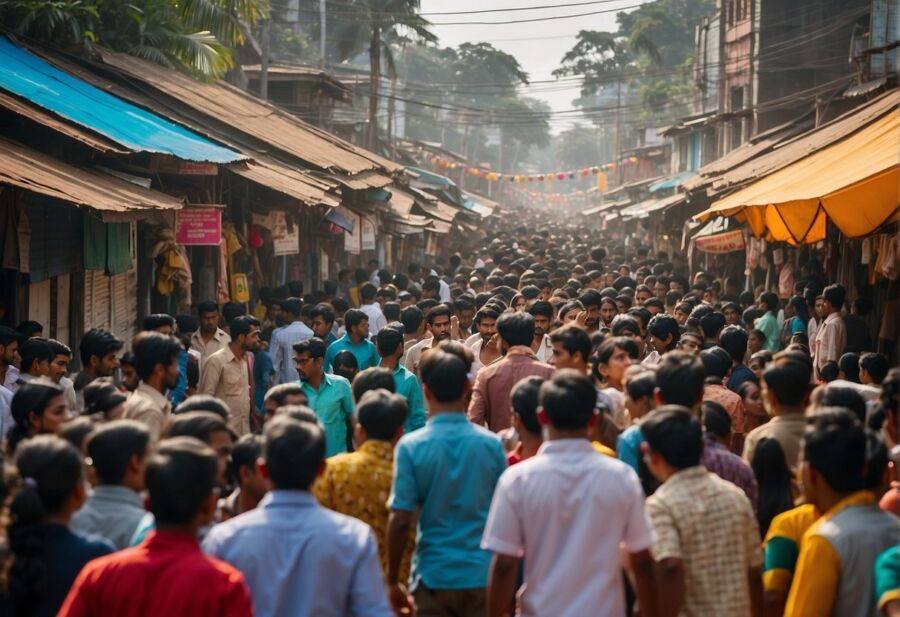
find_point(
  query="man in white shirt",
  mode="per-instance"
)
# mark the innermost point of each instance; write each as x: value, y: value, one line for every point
x: 548, y: 506
x: 9, y: 348
x: 831, y: 335
x: 371, y: 308
x: 281, y: 347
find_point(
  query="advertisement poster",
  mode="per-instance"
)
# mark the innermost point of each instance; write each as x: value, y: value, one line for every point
x: 368, y: 235
x: 722, y: 243
x: 198, y: 227
x: 352, y: 238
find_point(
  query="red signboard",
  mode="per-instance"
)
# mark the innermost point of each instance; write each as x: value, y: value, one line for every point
x: 198, y: 227
x: 722, y: 243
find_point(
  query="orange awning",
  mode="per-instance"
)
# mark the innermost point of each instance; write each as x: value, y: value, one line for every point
x: 855, y: 183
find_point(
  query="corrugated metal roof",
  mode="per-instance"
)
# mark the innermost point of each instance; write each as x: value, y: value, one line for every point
x: 36, y: 172
x: 235, y: 111
x: 645, y: 208
x: 364, y: 180
x: 30, y: 77
x: 437, y: 210
x: 610, y: 205
x: 672, y: 181
x: 291, y: 182
x: 401, y: 202
x: 45, y: 118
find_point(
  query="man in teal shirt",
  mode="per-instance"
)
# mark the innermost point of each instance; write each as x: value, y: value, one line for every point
x: 389, y: 342
x: 447, y: 472
x: 768, y: 324
x: 356, y: 341
x: 328, y: 395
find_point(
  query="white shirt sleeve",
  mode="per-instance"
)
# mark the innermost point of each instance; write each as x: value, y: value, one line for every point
x: 503, y: 532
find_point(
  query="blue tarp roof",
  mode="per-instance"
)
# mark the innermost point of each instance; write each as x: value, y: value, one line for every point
x: 432, y: 178
x: 672, y: 182
x: 29, y: 77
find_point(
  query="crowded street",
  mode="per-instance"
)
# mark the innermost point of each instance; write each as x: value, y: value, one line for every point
x: 327, y: 308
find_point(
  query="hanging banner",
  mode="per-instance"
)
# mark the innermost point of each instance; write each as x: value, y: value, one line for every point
x: 285, y: 240
x: 198, y: 227
x: 727, y: 242
x: 352, y: 238
x: 368, y: 234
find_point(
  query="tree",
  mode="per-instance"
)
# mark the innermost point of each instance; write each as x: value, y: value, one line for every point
x: 577, y: 147
x: 600, y: 57
x: 379, y: 25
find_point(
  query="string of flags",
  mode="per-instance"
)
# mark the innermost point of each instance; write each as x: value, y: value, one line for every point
x: 556, y: 176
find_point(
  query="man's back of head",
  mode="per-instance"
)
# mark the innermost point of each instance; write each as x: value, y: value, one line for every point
x: 382, y: 414
x: 568, y: 401
x: 679, y: 379
x: 516, y: 328
x: 445, y: 373
x: 294, y: 454
x: 181, y: 476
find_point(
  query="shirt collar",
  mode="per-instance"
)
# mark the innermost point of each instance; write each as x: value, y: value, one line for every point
x: 448, y: 417
x: 832, y: 317
x: 171, y: 539
x: 688, y: 474
x: 520, y: 350
x: 110, y: 492
x: 562, y: 446
x: 859, y: 498
x: 377, y: 448
x: 157, y: 397
x: 276, y: 498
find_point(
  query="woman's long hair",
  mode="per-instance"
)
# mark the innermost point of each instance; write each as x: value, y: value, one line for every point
x: 50, y: 468
x: 31, y: 397
x: 774, y: 480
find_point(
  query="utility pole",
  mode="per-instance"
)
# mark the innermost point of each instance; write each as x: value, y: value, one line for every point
x: 264, y: 61
x: 618, y: 132
x: 322, y: 62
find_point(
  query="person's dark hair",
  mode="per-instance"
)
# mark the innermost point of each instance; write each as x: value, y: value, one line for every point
x: 411, y: 317
x: 353, y: 318
x: 51, y: 469
x: 345, y: 359
x: 294, y: 452
x: 29, y: 328
x: 207, y: 306
x: 540, y: 307
x: 230, y: 310
x: 674, y: 433
x: 569, y: 307
x: 622, y: 324
x: 441, y: 310
x: 788, y: 379
x: 590, y: 297
x: 280, y: 392
x: 608, y: 348
x: 829, y: 371
x: 32, y: 397
x: 663, y: 325
x: 381, y: 413
x: 324, y: 311
x: 716, y: 420
x: 314, y: 345
x: 431, y: 283
x: 112, y: 447
x: 568, y: 399
x: 368, y: 292
x: 574, y: 340
x: 672, y: 297
x: 180, y: 476
x: 245, y: 453
x: 77, y: 431
x: 716, y: 363
x: 801, y: 309
x: 770, y: 300
x: 59, y: 349
x: 242, y: 325
x: 835, y: 295
x: 373, y: 378
x: 301, y: 413
x: 848, y: 398
x: 848, y: 364
x: 516, y: 328
x: 773, y: 478
x: 680, y: 377
x: 391, y: 311
x: 877, y: 366
x: 445, y: 372
x: 525, y: 399
x: 488, y: 312
x: 203, y: 402
x: 711, y: 324
x: 834, y: 445
x: 641, y: 386
x: 197, y: 424
x: 655, y: 302
x: 700, y: 311
x: 101, y: 396
x: 8, y: 335
x: 388, y: 340
x: 152, y: 348
x: 157, y: 320
x: 34, y: 350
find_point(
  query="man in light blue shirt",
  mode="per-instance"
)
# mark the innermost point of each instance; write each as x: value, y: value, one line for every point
x: 389, y: 343
x: 768, y: 324
x: 298, y: 558
x: 281, y: 347
x: 447, y: 471
x: 328, y: 395
x: 356, y: 341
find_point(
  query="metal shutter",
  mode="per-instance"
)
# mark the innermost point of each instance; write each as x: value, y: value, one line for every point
x: 124, y: 305
x: 96, y: 300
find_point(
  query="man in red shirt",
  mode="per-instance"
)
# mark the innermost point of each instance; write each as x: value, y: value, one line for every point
x: 167, y: 574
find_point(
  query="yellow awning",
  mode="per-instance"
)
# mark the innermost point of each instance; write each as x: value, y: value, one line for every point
x: 854, y: 182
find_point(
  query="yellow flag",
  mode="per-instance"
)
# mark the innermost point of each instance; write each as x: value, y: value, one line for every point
x: 601, y: 182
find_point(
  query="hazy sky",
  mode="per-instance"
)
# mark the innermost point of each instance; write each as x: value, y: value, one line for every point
x: 539, y: 46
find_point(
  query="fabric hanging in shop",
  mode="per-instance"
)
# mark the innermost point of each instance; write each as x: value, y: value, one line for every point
x: 118, y: 248
x: 16, y: 233
x: 95, y: 243
x: 53, y: 245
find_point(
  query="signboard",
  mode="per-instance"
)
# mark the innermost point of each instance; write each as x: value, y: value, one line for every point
x: 368, y: 235
x: 352, y: 238
x: 285, y: 240
x: 198, y: 227
x: 727, y: 242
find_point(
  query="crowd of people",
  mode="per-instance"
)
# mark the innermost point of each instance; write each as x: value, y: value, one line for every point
x: 545, y: 425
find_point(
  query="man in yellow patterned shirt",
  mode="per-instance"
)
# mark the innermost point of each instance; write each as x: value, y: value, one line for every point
x: 358, y: 484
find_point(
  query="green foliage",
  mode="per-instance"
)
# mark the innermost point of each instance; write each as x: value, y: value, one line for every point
x: 194, y: 36
x: 577, y: 147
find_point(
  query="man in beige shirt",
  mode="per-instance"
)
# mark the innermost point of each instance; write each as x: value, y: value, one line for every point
x: 210, y: 338
x: 226, y: 374
x: 831, y: 335
x: 156, y: 362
